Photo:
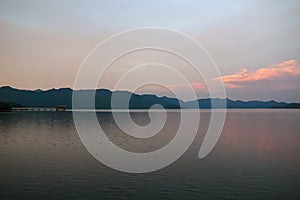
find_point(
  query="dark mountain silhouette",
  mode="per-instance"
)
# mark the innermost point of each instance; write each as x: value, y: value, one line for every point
x: 290, y: 105
x: 206, y: 103
x: 63, y: 96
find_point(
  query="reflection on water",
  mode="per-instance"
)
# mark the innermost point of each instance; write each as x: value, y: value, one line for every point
x: 257, y: 157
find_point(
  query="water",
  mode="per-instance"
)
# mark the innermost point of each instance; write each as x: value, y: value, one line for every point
x: 257, y: 157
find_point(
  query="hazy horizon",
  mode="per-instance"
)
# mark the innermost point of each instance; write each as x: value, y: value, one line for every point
x: 145, y: 93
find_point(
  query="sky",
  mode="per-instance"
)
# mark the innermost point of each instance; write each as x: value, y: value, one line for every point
x: 255, y: 44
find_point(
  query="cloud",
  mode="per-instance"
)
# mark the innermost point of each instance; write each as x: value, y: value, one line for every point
x: 276, y: 72
x: 197, y: 87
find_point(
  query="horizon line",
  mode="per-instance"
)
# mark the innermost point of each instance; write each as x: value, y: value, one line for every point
x: 159, y: 96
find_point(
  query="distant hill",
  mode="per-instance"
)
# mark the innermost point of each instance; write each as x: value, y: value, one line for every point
x: 63, y: 96
x: 289, y: 106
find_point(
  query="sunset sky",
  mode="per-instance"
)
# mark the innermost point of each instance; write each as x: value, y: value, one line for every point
x: 255, y: 43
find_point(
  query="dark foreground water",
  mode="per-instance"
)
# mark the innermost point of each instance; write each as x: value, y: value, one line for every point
x: 257, y: 157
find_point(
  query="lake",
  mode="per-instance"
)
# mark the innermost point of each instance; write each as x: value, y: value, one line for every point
x: 256, y: 157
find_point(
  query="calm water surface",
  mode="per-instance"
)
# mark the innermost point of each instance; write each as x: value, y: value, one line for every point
x: 257, y: 157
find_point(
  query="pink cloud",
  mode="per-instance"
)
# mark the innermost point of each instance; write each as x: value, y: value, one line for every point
x: 196, y: 86
x: 284, y: 69
x: 200, y: 87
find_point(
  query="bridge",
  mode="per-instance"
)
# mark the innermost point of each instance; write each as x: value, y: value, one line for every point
x: 37, y: 109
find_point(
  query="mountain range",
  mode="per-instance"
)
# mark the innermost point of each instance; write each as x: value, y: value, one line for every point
x: 63, y: 96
